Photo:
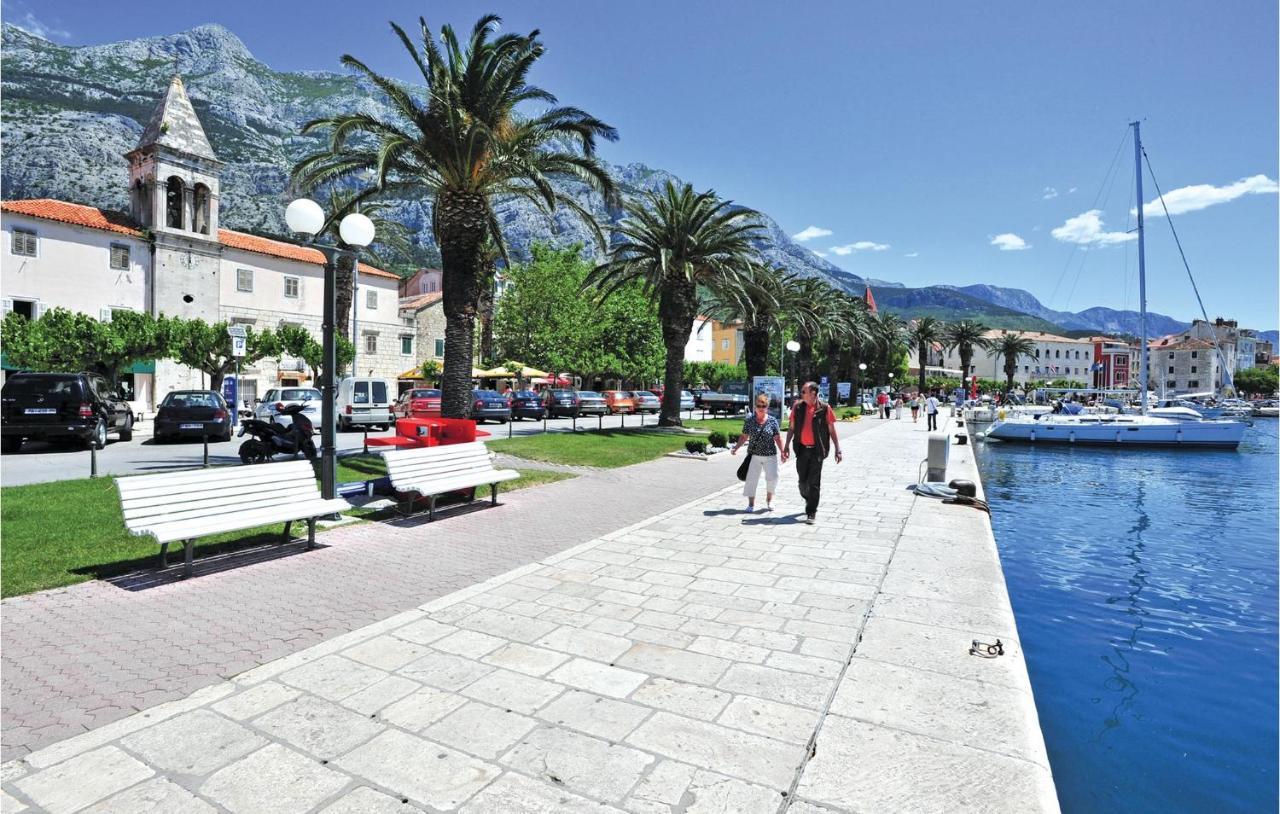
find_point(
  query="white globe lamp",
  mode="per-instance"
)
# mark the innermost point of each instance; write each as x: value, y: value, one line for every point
x: 355, y: 230
x: 304, y: 216
x: 793, y: 346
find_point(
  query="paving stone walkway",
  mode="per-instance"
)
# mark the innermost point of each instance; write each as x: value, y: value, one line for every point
x: 703, y: 660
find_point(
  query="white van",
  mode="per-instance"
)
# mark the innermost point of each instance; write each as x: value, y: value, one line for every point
x: 364, y: 402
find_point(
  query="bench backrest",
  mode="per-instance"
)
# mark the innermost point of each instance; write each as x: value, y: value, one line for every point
x: 410, y: 467
x: 148, y: 500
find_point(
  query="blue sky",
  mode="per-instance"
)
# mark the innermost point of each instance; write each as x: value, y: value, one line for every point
x: 936, y: 142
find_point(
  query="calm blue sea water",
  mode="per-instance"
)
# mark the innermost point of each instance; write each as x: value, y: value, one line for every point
x: 1144, y: 584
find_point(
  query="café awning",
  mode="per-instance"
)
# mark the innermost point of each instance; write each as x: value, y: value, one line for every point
x: 524, y: 372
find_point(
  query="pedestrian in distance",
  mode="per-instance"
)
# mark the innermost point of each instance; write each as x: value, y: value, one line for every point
x: 915, y: 408
x: 931, y: 412
x: 883, y: 401
x: 897, y: 408
x: 811, y: 435
x: 763, y: 437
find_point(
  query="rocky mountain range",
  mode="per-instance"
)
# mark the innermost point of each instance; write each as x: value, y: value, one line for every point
x: 68, y: 114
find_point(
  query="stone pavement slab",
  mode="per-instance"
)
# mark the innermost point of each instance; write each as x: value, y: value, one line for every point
x: 572, y: 683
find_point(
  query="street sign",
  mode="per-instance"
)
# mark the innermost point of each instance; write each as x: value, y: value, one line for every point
x: 238, y: 344
x: 237, y: 330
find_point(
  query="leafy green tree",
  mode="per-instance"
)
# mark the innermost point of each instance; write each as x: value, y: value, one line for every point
x: 201, y: 346
x: 70, y: 341
x: 296, y: 341
x: 965, y: 336
x: 430, y: 370
x: 464, y: 144
x: 1012, y: 347
x: 672, y: 243
x: 544, y: 320
x: 760, y: 305
x: 1258, y: 381
x: 890, y: 333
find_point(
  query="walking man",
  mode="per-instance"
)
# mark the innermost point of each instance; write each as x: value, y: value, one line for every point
x: 816, y: 423
x: 931, y: 412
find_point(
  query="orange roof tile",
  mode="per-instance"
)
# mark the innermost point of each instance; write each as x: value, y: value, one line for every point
x: 94, y: 218
x: 75, y: 214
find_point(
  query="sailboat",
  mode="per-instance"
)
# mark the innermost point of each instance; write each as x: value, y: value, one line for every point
x: 1176, y: 427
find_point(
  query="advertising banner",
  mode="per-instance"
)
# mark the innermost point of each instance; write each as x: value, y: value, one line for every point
x: 774, y: 388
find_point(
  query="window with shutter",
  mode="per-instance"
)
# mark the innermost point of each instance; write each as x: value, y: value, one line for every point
x: 406, y: 345
x: 104, y: 315
x: 24, y: 242
x: 244, y: 280
x: 370, y: 343
x: 291, y: 287
x: 119, y: 256
x: 439, y: 347
x: 371, y: 300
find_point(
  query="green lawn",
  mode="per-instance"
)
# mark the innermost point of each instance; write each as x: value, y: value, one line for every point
x: 608, y: 448
x: 58, y: 534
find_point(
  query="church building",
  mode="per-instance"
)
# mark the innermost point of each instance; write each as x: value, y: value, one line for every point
x: 168, y: 255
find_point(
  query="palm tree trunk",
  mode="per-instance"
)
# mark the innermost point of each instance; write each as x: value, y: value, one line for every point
x: 804, y: 361
x: 485, y: 306
x: 344, y: 279
x: 755, y: 349
x: 922, y: 352
x: 1009, y: 370
x: 677, y: 309
x: 833, y: 359
x: 461, y: 222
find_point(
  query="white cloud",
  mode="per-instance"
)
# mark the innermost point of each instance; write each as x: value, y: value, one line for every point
x: 1073, y: 189
x: 860, y: 246
x: 1049, y: 193
x: 1087, y: 229
x: 810, y: 232
x: 820, y: 254
x: 30, y: 24
x: 1202, y: 196
x: 1009, y: 242
x: 913, y: 254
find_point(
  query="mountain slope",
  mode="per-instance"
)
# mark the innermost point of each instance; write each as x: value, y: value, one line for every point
x: 69, y: 115
x: 1102, y: 320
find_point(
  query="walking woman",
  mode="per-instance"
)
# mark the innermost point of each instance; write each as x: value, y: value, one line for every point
x: 763, y: 436
x: 915, y: 407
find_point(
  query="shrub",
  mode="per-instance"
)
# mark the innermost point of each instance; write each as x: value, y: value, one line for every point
x: 717, y: 439
x: 696, y: 446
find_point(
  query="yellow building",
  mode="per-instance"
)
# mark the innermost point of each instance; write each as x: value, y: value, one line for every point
x: 726, y: 343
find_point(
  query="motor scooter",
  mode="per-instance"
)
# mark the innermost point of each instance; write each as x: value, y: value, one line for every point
x: 271, y: 438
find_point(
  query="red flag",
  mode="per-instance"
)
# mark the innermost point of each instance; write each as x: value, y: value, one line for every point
x: 870, y: 300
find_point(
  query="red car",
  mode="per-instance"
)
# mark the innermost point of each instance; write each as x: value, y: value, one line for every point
x: 417, y: 403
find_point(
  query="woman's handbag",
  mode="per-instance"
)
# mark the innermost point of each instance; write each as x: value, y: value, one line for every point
x: 742, y: 468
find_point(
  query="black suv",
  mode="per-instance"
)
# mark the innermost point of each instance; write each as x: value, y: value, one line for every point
x: 39, y: 406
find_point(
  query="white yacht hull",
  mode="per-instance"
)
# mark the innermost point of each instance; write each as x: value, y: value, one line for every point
x: 1120, y: 431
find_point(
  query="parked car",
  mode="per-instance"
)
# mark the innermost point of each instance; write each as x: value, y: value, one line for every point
x: 417, y: 403
x: 364, y: 402
x: 697, y: 394
x: 731, y: 400
x: 619, y: 401
x: 561, y: 403
x: 645, y: 401
x: 192, y: 414
x: 62, y: 406
x: 527, y: 404
x: 277, y: 398
x: 489, y: 405
x: 591, y: 403
x: 686, y: 400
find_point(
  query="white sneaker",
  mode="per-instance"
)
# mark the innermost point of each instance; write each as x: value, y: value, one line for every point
x: 809, y: 520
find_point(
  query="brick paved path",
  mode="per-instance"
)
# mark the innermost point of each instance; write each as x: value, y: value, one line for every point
x: 77, y: 658
x: 704, y: 660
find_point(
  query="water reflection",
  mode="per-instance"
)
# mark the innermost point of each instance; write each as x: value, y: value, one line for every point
x: 1118, y: 659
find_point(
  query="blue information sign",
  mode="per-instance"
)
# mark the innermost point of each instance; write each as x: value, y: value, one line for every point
x: 230, y: 392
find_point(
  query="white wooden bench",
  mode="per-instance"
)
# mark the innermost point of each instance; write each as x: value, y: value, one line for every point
x: 183, y: 506
x: 433, y: 471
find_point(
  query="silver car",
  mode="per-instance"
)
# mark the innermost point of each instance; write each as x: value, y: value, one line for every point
x: 268, y: 407
x: 645, y: 401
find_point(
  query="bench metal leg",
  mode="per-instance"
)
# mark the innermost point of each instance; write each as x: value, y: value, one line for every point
x: 286, y: 538
x: 493, y: 501
x: 311, y: 533
x: 431, y: 509
x: 164, y: 555
x: 188, y: 552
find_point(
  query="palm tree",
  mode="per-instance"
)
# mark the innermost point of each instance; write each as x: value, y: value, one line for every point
x: 846, y: 327
x: 490, y: 253
x: 924, y: 333
x: 964, y: 336
x: 673, y: 242
x: 761, y: 305
x: 808, y: 319
x: 465, y: 145
x: 858, y: 337
x: 1011, y: 347
x: 891, y: 337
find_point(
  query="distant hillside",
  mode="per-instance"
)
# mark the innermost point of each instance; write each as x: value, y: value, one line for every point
x: 950, y: 305
x: 1098, y: 320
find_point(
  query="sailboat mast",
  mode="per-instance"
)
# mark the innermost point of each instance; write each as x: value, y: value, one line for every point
x: 1142, y: 269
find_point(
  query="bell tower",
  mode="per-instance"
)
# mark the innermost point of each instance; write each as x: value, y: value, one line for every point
x: 173, y: 193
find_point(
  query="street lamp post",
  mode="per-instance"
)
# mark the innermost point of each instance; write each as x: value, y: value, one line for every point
x: 857, y: 391
x: 305, y: 217
x: 792, y: 346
